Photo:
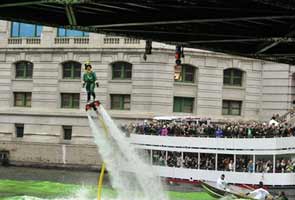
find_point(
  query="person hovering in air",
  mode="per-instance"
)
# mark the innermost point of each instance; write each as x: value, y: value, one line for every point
x: 89, y: 81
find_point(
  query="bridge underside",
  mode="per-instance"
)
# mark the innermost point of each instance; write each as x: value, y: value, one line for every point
x: 263, y: 29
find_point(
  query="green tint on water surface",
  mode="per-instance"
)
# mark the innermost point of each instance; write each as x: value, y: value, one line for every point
x: 18, y: 190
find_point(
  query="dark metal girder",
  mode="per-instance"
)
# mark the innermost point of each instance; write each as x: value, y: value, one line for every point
x: 215, y: 25
x: 168, y: 32
x: 5, y: 5
x: 142, y: 6
x: 193, y: 21
x: 113, y: 7
x: 25, y: 3
x: 279, y: 4
x: 245, y: 40
x: 266, y: 47
x: 258, y: 23
x: 95, y: 9
x: 71, y: 15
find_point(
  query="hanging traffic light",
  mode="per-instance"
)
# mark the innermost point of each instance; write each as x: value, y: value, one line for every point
x: 178, y: 55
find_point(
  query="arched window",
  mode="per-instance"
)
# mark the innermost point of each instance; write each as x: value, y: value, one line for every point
x: 184, y: 73
x: 23, y: 69
x: 71, y: 70
x: 121, y: 70
x: 232, y: 77
x: 25, y: 30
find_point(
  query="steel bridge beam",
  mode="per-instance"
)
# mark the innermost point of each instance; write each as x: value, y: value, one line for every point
x: 26, y: 3
x: 195, y: 21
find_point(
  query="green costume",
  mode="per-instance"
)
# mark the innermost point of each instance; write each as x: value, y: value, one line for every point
x: 89, y: 78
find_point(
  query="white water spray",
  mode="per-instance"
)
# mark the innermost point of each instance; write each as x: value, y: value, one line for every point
x: 133, y: 178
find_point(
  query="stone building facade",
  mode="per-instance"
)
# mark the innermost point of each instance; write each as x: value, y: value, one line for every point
x: 42, y: 117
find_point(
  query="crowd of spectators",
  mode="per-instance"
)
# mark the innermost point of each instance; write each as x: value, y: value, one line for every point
x: 189, y: 127
x: 224, y: 162
x: 205, y: 128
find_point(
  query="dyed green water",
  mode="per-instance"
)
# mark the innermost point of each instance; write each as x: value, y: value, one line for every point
x: 28, y: 190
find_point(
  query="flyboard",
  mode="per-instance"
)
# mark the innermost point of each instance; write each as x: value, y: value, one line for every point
x: 94, y: 106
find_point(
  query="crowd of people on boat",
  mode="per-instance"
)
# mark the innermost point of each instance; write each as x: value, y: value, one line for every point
x: 224, y: 163
x: 245, y: 164
x: 187, y: 127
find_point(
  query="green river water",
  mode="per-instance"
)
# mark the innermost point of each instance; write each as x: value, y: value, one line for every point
x: 22, y: 183
x: 35, y: 190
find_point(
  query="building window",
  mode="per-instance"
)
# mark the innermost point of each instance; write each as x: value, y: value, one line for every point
x: 183, y: 104
x: 61, y: 32
x: 70, y: 100
x: 25, y: 30
x: 71, y: 70
x: 231, y: 107
x: 120, y: 102
x: 232, y: 77
x: 19, y: 130
x: 23, y: 69
x: 184, y: 73
x: 122, y: 70
x: 67, y: 132
x: 22, y: 99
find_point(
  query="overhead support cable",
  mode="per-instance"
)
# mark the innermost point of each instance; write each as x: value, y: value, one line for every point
x: 245, y: 40
x: 194, y: 21
x: 141, y: 6
x: 237, y: 25
x: 113, y: 7
x: 26, y: 3
x: 258, y: 23
x: 279, y: 4
x: 154, y: 32
x: 68, y: 1
x: 266, y: 47
x: 95, y: 9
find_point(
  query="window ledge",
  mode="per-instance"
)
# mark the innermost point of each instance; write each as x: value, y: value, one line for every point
x: 70, y: 80
x: 63, y: 141
x: 72, y: 37
x: 185, y: 83
x: 120, y: 110
x: 181, y: 113
x: 22, y: 79
x: 69, y: 109
x: 120, y: 81
x: 234, y: 87
x: 24, y: 37
x: 232, y: 115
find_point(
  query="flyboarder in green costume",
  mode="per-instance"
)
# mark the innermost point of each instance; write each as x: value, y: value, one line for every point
x: 89, y: 80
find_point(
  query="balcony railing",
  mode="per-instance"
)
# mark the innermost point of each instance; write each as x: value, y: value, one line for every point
x: 61, y: 40
x: 83, y: 42
x: 131, y: 41
x: 21, y: 41
x: 33, y: 41
x: 71, y: 40
x: 111, y: 40
x: 15, y: 41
